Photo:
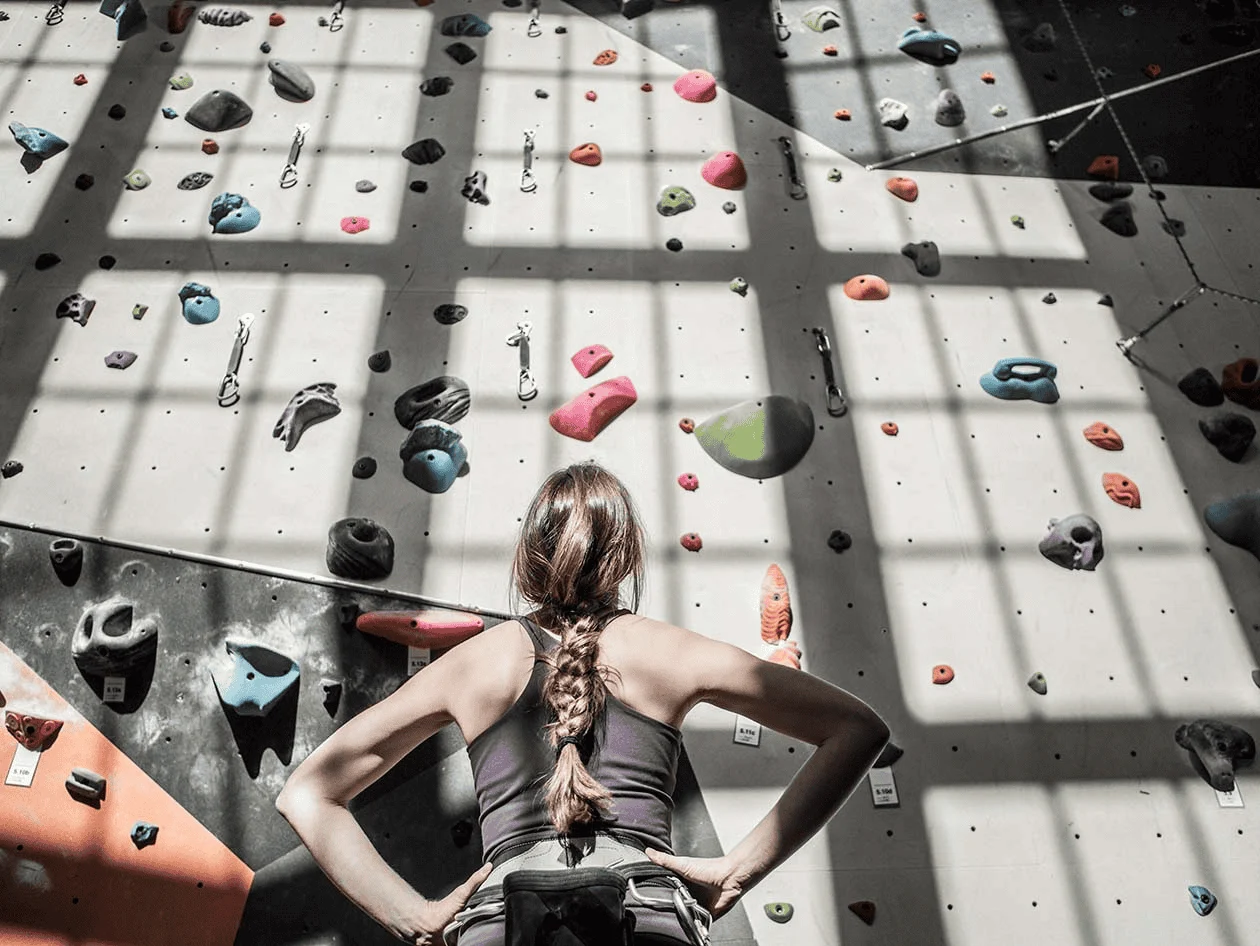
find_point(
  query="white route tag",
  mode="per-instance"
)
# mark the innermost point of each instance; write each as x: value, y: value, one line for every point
x: 417, y: 659
x: 22, y: 768
x: 1230, y: 799
x: 115, y: 690
x: 747, y: 732
x: 884, y: 788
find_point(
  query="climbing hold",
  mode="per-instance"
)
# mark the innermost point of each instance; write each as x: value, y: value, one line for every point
x: 359, y: 549
x: 120, y: 359
x: 588, y: 154
x: 1017, y: 221
x: 729, y: 207
x: 109, y: 640
x: 209, y: 146
x: 430, y: 628
x: 988, y: 78
x: 890, y: 428
x: 1049, y: 298
x: 925, y: 256
x: 1201, y: 387
x: 591, y: 96
x: 461, y: 832
x: 687, y: 425
x: 864, y: 910
x: 725, y: 170
x: 355, y: 224
x: 1037, y: 683
x: 380, y: 361
x: 309, y: 406
x: 424, y: 151
x: 1105, y: 299
x: 34, y: 732
x: 998, y: 111
x: 759, y: 439
x: 178, y: 16
x: 696, y: 86
x: 589, y: 360
x: 844, y: 115
x: 1237, y: 521
x: 36, y: 141
x: 8, y: 470
x: 646, y: 87
x: 779, y: 912
x: 433, y: 455
x: 181, y: 82
x: 117, y: 112
x: 232, y: 213
x: 80, y: 79
x: 786, y: 653
x: 830, y: 51
x: 839, y: 541
x: 143, y: 834
x: 332, y: 694
x: 445, y: 398
x: 929, y: 46
x: 1174, y: 227
x: 1120, y: 489
x: 903, y: 187
x: 1155, y: 167
x: 1040, y: 40
x: 276, y: 19
x: 462, y: 53
x: 194, y: 181
x: 739, y: 286
x: 942, y: 674
x: 438, y: 85
x: 1220, y: 749
x: 84, y: 181
x: 107, y: 262
x: 820, y: 19
x: 1230, y: 434
x: 448, y: 313
x: 1104, y: 436
x: 585, y: 416
x: 689, y: 481
x: 949, y: 109
x: 893, y: 114
x: 776, y: 606
x: 1203, y: 900
x: 219, y: 110
x: 919, y: 17
x: 220, y: 16
x: 138, y: 310
x: 464, y: 24
x: 1010, y: 384
x: 1240, y: 382
x: 364, y: 468
x: 606, y: 58
x: 85, y: 785
x: 691, y: 542
x: 1105, y: 167
x: 137, y: 180
x: 76, y: 307
x: 1074, y: 542
x: 291, y: 82
x: 199, y: 304
x: 1108, y: 191
x: 259, y: 679
x: 866, y: 288
x: 674, y: 245
x: 1152, y: 70
x: 673, y: 200
x: 541, y: 94
x: 46, y: 261
x: 66, y: 556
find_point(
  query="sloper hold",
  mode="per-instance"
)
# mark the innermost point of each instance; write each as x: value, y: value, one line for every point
x: 445, y: 398
x: 925, y: 256
x: 866, y: 288
x: 67, y: 560
x: 219, y: 110
x: 821, y: 18
x: 1220, y: 749
x: 1231, y: 434
x: 776, y: 606
x: 462, y: 53
x: 588, y: 154
x: 359, y: 549
x: 696, y: 86
x: 761, y: 438
x: 291, y: 82
x: 311, y: 405
x: 1010, y: 384
x: 1122, y: 490
x: 591, y: 359
x: 929, y: 46
x: 448, y: 313
x: 1201, y: 387
x: 428, y: 628
x: 1103, y: 436
x: 586, y: 415
x: 36, y: 141
x: 1202, y: 899
x: 109, y: 639
x: 424, y: 151
x: 725, y: 170
x: 1237, y: 521
x: 34, y: 732
x: 904, y: 187
x: 950, y: 112
x: 260, y: 677
x: 433, y: 456
x: 1118, y: 218
x: 1073, y: 542
x: 86, y: 785
x: 232, y: 213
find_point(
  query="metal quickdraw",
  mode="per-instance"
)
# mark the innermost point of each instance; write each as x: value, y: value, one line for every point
x: 528, y: 184
x: 534, y: 30
x: 56, y: 13
x: 336, y: 21
x: 781, y: 31
x: 797, y: 190
x: 835, y: 400
x: 229, y: 387
x: 683, y: 904
x: 526, y: 387
x: 289, y: 176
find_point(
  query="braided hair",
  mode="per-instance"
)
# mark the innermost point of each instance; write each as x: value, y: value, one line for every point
x: 580, y: 541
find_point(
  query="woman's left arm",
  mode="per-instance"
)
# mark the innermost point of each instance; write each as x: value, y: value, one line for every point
x: 315, y: 797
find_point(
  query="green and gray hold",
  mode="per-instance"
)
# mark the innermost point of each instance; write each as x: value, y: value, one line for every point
x: 675, y: 200
x: 759, y: 439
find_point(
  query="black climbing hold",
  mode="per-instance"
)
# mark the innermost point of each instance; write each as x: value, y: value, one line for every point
x: 110, y: 640
x: 107, y: 262
x: 1049, y: 298
x: 219, y: 110
x: 359, y: 549
x: 117, y: 112
x: 729, y: 207
x: 438, y: 85
x: 925, y: 256
x: 444, y: 398
x: 839, y: 541
x: 448, y: 313
x: 1230, y: 434
x: 424, y: 151
x: 461, y: 832
x: 1201, y: 386
x: 332, y: 695
x: 1158, y: 195
x: 143, y: 834
x: 1051, y: 75
x: 264, y: 47
x: 561, y: 30
x: 364, y: 468
x: 541, y: 94
x: 10, y: 469
x: 166, y: 46
x: 1219, y: 749
x: 462, y: 53
x: 364, y: 186
x: 84, y: 181
x: 1118, y: 218
x: 46, y: 261
x: 76, y: 307
x: 888, y: 755
x: 195, y: 181
x: 474, y: 188
x: 419, y: 187
x: 66, y: 556
x: 512, y: 4
x: 380, y: 361
x: 1105, y: 299
x: 1110, y: 190
x: 673, y: 244
x: 1174, y: 227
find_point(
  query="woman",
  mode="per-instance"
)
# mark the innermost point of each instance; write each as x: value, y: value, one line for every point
x: 572, y: 717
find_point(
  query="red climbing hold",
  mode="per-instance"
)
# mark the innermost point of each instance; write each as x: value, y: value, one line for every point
x: 31, y: 731
x: 687, y: 425
x: 689, y: 482
x: 919, y: 17
x: 606, y: 58
x: 210, y: 146
x: 1104, y: 436
x: 1120, y: 489
x: 591, y: 411
x: 830, y: 51
x: 646, y: 87
x: 355, y: 224
x: 1153, y: 70
x: 864, y: 910
x: 844, y: 114
x: 591, y: 96
x: 276, y: 19
x: 696, y: 86
x: 866, y: 288
x: 691, y: 542
x: 80, y: 79
x: 1104, y: 167
x: 889, y: 428
x: 591, y: 359
x: 588, y: 154
x: 903, y: 187
x: 942, y: 674
x: 725, y: 170
x: 421, y: 628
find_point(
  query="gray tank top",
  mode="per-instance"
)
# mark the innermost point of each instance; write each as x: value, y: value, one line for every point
x: 633, y: 755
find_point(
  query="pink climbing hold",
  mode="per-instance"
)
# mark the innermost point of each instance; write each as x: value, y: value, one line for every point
x: 689, y: 482
x: 725, y: 170
x: 591, y: 411
x: 355, y: 224
x: 591, y: 359
x: 696, y: 86
x: 866, y: 288
x: 591, y: 96
x: 904, y: 187
x: 691, y: 542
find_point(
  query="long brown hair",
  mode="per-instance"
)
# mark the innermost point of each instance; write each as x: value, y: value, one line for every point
x: 580, y: 540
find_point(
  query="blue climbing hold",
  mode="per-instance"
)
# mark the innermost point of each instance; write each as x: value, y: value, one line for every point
x: 200, y: 305
x: 433, y: 455
x: 169, y: 112
x: 1237, y: 521
x: 465, y: 24
x: 232, y: 213
x: 936, y: 49
x: 1203, y: 900
x: 260, y: 677
x: 1009, y: 384
x: 37, y: 141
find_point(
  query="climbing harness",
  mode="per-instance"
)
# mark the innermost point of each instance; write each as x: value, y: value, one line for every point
x: 289, y: 176
x: 56, y: 13
x: 535, y: 15
x: 797, y: 190
x: 229, y: 387
x: 835, y: 400
x: 526, y: 388
x: 335, y: 22
x: 528, y: 184
x: 781, y: 31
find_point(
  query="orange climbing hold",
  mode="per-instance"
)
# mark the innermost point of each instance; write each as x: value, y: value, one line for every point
x: 903, y: 187
x: 1120, y: 489
x: 1103, y: 435
x: 588, y: 154
x: 890, y: 428
x: 276, y: 19
x: 844, y: 114
x: 866, y: 288
x: 864, y: 910
x: 919, y: 17
x: 942, y: 674
x: 776, y: 606
x: 787, y: 654
x: 606, y: 58
x: 1105, y: 167
x: 178, y: 15
x: 988, y: 78
x: 1153, y: 70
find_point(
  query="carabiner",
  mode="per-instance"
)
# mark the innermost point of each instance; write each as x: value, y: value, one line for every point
x: 336, y: 23
x: 687, y: 919
x: 56, y: 13
x: 289, y: 176
x: 534, y: 30
x: 229, y: 387
x: 528, y: 183
x: 781, y: 31
x: 526, y: 387
x: 836, y: 406
x: 797, y: 190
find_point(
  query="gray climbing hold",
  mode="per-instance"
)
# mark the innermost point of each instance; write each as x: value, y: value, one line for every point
x: 46, y: 261
x: 1040, y: 40
x: 448, y: 313
x: 86, y: 785
x: 10, y: 469
x: 433, y: 456
x: 143, y: 834
x: 1105, y: 299
x: 739, y: 286
x: 117, y: 112
x: 839, y: 541
x: 77, y: 307
x: 462, y: 53
x: 1237, y: 521
x: 675, y: 200
x: 364, y: 186
x: 1118, y: 218
x: 137, y: 180
x: 893, y: 114
x: 220, y: 16
x: 949, y: 109
x: 1107, y: 191
x: 359, y: 549
x: 66, y: 556
x: 219, y: 110
x: 443, y: 398
x: 311, y: 405
x: 364, y: 468
x: 37, y: 142
x: 438, y: 85
x: 925, y: 256
x: 332, y: 694
x: 1174, y: 227
x: 759, y: 439
x: 474, y: 188
x: 729, y: 207
x: 195, y: 181
x: 424, y: 151
x: 1049, y: 298
x: 1156, y: 168
x: 1073, y: 542
x: 821, y: 18
x: 291, y: 82
x: 674, y: 245
x: 110, y: 640
x: 1219, y: 749
x: 1037, y: 683
x: 380, y: 361
x: 258, y: 680
x: 1231, y: 434
x: 120, y: 359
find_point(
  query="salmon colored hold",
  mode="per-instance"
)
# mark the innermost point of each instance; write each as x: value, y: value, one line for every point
x: 889, y: 428
x: 988, y: 78
x: 1105, y: 167
x: 687, y: 425
x: 942, y: 674
x: 276, y: 19
x: 80, y: 79
x: 844, y: 114
x: 606, y: 58
x: 830, y: 51
x: 31, y: 731
x: 903, y: 187
x: 588, y: 154
x: 689, y: 482
x: 776, y: 606
x: 691, y: 542
x: 591, y: 96
x: 1120, y: 489
x: 787, y: 654
x: 1104, y: 436
x: 919, y: 17
x: 866, y: 288
x: 1153, y: 70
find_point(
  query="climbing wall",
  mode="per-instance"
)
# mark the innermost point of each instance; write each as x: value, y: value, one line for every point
x: 1069, y: 817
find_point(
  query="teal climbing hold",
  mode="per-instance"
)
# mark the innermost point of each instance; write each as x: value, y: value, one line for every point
x: 433, y: 455
x: 936, y: 49
x: 1237, y: 521
x: 464, y: 24
x: 260, y: 677
x: 199, y: 304
x: 232, y: 213
x: 1005, y: 381
x: 1203, y: 900
x: 759, y: 439
x: 36, y: 141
